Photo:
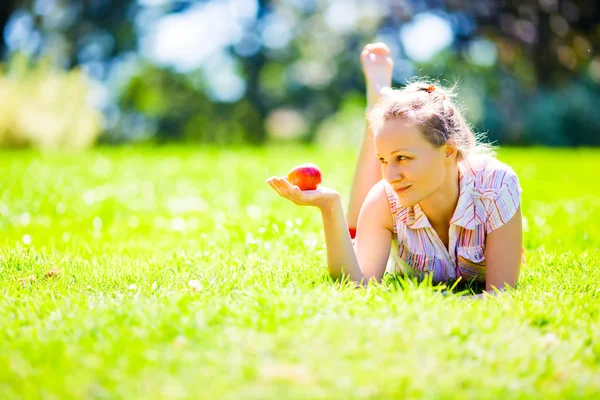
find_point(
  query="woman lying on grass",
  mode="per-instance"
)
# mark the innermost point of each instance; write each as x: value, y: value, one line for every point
x: 446, y: 206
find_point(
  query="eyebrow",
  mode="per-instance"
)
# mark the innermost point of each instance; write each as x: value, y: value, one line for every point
x: 394, y: 152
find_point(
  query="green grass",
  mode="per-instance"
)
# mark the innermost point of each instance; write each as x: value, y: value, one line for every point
x: 127, y: 229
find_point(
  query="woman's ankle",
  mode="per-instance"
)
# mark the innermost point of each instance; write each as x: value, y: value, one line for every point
x: 374, y: 94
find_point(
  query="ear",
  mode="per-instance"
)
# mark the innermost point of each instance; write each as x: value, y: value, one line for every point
x: 450, y: 150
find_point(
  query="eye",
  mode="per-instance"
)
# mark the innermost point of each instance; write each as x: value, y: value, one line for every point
x: 400, y: 158
x: 381, y: 160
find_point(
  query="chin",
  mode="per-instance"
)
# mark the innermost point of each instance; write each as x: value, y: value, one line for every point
x: 403, y: 204
x: 406, y: 202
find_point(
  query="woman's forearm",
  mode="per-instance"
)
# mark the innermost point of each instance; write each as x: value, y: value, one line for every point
x: 340, y: 252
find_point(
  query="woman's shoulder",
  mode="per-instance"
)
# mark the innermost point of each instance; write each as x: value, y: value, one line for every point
x: 381, y: 203
x: 490, y: 174
x: 496, y: 191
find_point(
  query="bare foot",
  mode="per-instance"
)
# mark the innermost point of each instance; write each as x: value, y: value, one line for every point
x: 377, y: 67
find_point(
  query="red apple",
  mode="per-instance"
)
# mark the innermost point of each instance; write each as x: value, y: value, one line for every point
x: 305, y: 176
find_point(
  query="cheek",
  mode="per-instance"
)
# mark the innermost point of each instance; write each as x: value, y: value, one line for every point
x: 429, y: 174
x: 420, y: 170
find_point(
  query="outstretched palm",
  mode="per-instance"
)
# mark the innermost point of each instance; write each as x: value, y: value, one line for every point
x: 321, y: 197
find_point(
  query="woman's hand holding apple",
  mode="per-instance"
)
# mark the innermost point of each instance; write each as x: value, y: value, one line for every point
x: 321, y: 197
x: 301, y: 187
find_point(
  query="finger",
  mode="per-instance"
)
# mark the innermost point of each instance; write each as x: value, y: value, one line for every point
x: 271, y: 181
x: 287, y: 184
x: 291, y: 191
x: 295, y: 192
x: 277, y: 188
x: 277, y: 182
x: 284, y: 186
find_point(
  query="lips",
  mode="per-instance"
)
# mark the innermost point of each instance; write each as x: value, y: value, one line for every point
x: 402, y: 189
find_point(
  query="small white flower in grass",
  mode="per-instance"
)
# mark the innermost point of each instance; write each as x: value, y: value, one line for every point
x: 97, y: 223
x: 254, y: 212
x: 550, y: 339
x: 180, y: 341
x: 194, y: 285
x: 27, y: 239
x: 61, y: 208
x: 133, y: 286
x: 24, y: 219
x: 178, y: 224
x: 28, y: 280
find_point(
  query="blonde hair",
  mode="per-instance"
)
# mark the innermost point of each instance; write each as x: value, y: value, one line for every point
x: 430, y: 107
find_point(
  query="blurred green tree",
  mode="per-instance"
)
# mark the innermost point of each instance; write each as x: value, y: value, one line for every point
x: 7, y: 7
x: 298, y: 64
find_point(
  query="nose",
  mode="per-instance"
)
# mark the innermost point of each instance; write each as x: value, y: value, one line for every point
x: 392, y: 173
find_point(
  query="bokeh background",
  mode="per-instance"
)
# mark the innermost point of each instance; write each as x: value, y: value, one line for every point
x: 228, y: 72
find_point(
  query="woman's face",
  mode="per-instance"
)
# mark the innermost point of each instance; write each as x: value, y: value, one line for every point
x: 408, y: 160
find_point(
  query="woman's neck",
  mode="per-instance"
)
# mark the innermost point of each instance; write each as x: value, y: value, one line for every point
x: 440, y: 206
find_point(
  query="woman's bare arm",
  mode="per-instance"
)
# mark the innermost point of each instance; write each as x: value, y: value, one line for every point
x: 503, y: 253
x: 368, y: 257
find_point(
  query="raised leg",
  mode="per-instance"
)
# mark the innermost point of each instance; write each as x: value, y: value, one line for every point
x: 377, y: 67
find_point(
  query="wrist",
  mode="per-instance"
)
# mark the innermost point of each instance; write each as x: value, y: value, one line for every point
x: 331, y: 204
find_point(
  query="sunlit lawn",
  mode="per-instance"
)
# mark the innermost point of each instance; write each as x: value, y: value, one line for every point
x: 97, y: 251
